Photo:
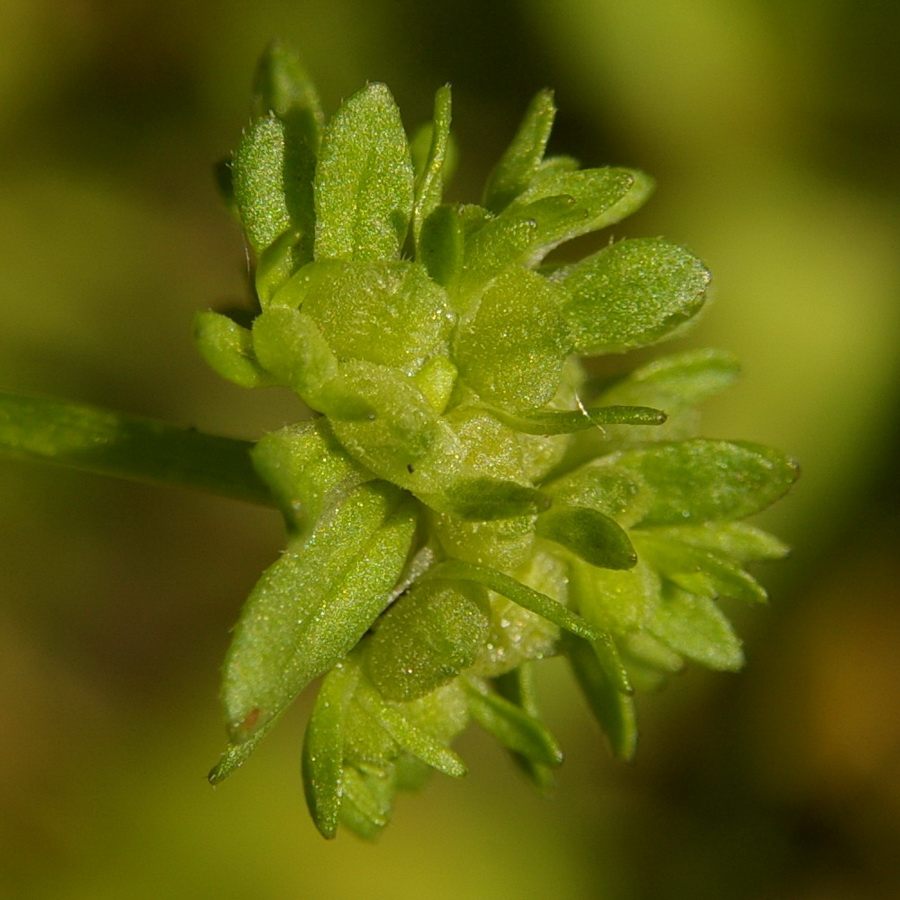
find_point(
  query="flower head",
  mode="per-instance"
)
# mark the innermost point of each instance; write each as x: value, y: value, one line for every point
x: 462, y: 500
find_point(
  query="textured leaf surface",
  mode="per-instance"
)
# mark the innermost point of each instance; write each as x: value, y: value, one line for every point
x: 428, y: 636
x: 228, y: 349
x: 695, y: 627
x: 699, y: 480
x: 272, y: 178
x: 323, y: 748
x: 512, y: 351
x: 364, y: 180
x: 631, y: 294
x: 313, y: 605
x: 589, y: 534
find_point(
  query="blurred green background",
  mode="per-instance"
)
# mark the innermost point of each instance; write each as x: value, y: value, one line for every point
x: 772, y: 127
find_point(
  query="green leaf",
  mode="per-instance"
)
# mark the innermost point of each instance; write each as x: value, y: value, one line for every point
x: 695, y: 627
x: 429, y: 185
x: 275, y: 266
x: 618, y: 492
x: 290, y: 346
x: 307, y: 471
x: 518, y: 687
x: 735, y: 540
x: 697, y: 481
x: 567, y: 204
x: 364, y: 180
x: 548, y: 422
x: 427, y: 637
x: 631, y: 294
x: 402, y: 439
x: 521, y: 160
x: 492, y: 245
x: 323, y: 748
x: 282, y: 86
x: 228, y: 350
x: 608, y: 656
x: 589, y: 534
x: 614, y: 601
x: 512, y: 726
x: 389, y: 313
x: 524, y: 596
x: 650, y: 663
x: 441, y: 244
x: 236, y: 755
x: 313, y: 605
x: 613, y: 709
x: 366, y: 804
x: 512, y: 351
x: 698, y: 571
x: 482, y: 499
x: 409, y: 736
x: 436, y: 380
x: 677, y: 382
x: 272, y: 176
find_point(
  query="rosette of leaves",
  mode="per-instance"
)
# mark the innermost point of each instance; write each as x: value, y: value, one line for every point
x: 460, y: 501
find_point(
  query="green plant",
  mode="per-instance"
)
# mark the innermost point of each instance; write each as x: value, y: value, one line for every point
x: 464, y: 499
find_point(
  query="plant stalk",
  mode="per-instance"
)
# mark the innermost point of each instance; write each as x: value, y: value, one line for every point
x: 121, y: 445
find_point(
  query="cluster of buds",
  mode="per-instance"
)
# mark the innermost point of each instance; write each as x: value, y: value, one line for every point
x: 462, y: 500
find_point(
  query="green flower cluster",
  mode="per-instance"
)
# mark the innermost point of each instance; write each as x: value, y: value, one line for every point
x: 462, y: 500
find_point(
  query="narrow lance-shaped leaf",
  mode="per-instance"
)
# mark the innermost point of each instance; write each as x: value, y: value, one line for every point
x: 366, y: 804
x: 514, y: 170
x: 571, y: 421
x: 519, y: 593
x: 429, y: 186
x: 613, y: 709
x: 323, y: 748
x: 409, y: 736
x: 512, y: 726
x: 697, y: 570
x: 272, y: 176
x: 313, y: 605
x: 738, y: 541
x: 518, y: 688
x: 364, y: 180
x: 282, y: 86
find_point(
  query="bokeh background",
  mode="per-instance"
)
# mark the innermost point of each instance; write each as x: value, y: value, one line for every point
x: 772, y: 127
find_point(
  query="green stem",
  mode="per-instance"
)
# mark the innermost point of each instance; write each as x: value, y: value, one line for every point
x: 125, y: 446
